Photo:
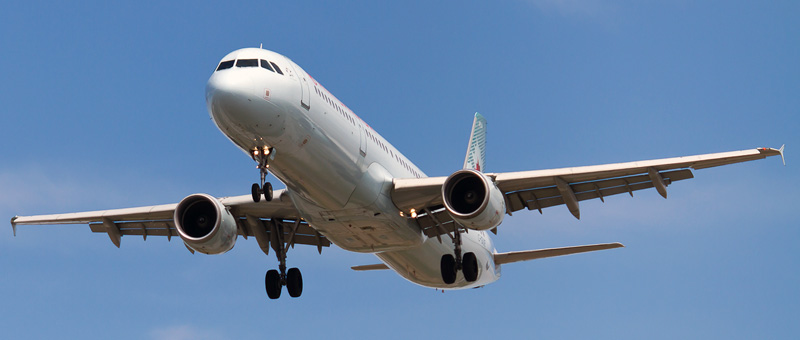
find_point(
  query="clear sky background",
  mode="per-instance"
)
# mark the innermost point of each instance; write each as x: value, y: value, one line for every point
x: 103, y: 107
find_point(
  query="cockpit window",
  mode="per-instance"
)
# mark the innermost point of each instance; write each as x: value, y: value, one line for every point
x: 225, y: 64
x: 277, y: 69
x: 265, y: 64
x: 247, y: 63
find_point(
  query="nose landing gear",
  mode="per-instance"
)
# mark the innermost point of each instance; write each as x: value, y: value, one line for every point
x: 262, y: 157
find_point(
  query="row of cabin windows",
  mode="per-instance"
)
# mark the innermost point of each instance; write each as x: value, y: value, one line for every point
x: 396, y: 156
x: 250, y: 63
x: 407, y: 166
x: 335, y: 106
x: 377, y: 141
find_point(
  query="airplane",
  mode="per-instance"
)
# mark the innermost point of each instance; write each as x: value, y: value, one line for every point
x: 346, y: 185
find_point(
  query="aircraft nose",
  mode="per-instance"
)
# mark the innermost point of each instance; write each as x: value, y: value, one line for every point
x: 231, y: 99
x: 238, y: 110
x: 228, y: 86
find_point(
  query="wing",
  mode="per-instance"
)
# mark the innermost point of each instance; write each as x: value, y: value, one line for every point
x: 253, y: 219
x: 540, y: 189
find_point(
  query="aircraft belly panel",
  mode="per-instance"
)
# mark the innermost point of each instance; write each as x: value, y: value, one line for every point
x: 421, y: 265
x: 368, y: 235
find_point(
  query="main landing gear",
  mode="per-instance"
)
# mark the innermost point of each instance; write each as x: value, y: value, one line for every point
x: 262, y: 157
x: 276, y: 279
x: 450, y: 265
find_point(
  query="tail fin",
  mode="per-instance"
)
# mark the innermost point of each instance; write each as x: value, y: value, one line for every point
x: 476, y: 152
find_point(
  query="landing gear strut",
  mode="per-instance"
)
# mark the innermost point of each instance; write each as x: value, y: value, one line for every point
x: 276, y: 279
x: 450, y: 265
x: 262, y: 157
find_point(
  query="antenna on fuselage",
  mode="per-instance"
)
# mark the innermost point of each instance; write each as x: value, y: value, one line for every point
x: 261, y: 46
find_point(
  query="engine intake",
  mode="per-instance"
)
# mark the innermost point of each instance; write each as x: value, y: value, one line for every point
x: 473, y: 200
x: 205, y: 225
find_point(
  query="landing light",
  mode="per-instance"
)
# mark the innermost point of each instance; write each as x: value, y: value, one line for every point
x: 413, y: 213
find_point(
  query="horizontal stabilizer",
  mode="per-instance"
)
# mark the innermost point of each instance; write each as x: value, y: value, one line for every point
x: 379, y: 266
x: 517, y: 256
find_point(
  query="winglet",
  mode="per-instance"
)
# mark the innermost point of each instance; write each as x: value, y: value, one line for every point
x: 771, y: 152
x: 14, y: 225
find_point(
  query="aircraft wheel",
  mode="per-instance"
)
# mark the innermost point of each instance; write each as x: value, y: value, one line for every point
x: 268, y: 191
x: 470, y: 267
x: 448, y: 267
x: 294, y: 282
x: 256, y: 192
x: 273, y: 283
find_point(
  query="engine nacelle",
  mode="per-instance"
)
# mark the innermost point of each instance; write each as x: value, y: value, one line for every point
x: 473, y: 200
x: 205, y: 225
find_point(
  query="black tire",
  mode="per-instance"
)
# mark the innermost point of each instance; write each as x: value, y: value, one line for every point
x: 470, y: 267
x: 448, y: 267
x: 294, y: 282
x: 256, y: 192
x: 268, y: 191
x: 273, y: 283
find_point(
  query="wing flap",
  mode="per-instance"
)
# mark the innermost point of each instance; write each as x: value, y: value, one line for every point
x: 527, y: 255
x: 304, y: 235
x: 540, y: 198
x: 436, y: 222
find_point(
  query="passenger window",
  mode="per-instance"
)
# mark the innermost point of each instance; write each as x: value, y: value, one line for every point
x: 265, y: 64
x: 225, y: 65
x: 277, y: 69
x: 247, y: 63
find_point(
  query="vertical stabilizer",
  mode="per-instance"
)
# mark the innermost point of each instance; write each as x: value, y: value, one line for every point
x: 476, y: 152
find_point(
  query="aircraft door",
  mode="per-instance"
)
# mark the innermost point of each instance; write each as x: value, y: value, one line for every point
x: 305, y: 100
x: 305, y: 96
x: 362, y: 149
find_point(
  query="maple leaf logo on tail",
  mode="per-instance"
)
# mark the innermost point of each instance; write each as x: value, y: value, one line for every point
x: 476, y: 150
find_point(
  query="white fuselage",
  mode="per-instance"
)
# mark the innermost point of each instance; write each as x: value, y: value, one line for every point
x: 337, y: 170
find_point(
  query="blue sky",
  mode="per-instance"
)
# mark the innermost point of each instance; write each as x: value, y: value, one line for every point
x: 103, y: 107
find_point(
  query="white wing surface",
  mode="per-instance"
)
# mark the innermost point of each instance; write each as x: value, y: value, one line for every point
x: 253, y: 219
x: 540, y: 189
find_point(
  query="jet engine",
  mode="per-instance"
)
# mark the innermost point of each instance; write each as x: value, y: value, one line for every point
x: 473, y: 200
x: 205, y: 225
